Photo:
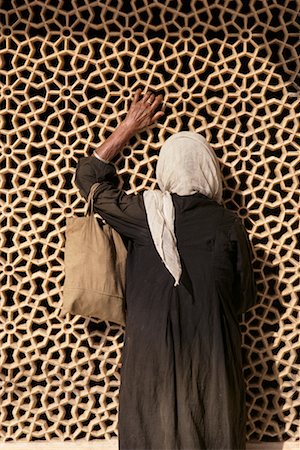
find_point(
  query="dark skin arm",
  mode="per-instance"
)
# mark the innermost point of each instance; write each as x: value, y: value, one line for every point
x: 142, y: 113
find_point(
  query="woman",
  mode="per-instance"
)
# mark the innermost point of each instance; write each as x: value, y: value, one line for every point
x: 189, y: 278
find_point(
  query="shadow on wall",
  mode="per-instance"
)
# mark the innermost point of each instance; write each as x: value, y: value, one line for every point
x: 268, y: 357
x: 270, y: 330
x: 285, y: 57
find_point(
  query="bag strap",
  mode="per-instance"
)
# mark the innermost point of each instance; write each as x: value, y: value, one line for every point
x: 90, y: 201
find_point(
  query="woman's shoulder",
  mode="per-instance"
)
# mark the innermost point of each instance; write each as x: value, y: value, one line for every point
x: 229, y: 215
x: 230, y: 223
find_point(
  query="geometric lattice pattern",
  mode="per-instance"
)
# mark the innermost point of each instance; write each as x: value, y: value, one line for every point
x: 227, y: 69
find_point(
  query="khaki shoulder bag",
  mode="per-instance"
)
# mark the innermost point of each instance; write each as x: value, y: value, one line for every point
x: 95, y: 258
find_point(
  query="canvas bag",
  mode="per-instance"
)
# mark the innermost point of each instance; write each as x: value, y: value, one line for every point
x: 95, y: 258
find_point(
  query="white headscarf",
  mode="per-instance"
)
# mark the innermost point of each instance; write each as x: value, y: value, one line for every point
x: 187, y: 164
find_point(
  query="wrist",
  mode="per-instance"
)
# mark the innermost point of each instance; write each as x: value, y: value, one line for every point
x: 95, y: 154
x: 128, y: 127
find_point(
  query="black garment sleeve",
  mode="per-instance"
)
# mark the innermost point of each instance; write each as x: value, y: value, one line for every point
x: 244, y: 286
x: 124, y: 212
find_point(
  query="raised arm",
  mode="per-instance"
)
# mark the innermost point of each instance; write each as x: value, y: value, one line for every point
x: 141, y: 114
x: 123, y: 212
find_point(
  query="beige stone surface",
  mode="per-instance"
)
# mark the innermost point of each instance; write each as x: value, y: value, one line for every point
x: 100, y: 444
x: 68, y: 78
x: 113, y: 445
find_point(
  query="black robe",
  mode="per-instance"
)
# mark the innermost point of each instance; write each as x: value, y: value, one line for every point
x: 182, y: 385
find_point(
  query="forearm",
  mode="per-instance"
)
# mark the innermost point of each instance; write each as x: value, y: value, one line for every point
x: 141, y: 114
x: 115, y: 142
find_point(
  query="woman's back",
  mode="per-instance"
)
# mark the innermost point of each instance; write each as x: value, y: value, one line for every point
x: 186, y: 338
x: 181, y: 357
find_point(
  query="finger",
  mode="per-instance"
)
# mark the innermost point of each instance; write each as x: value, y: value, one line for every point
x: 136, y: 96
x: 147, y: 96
x: 150, y: 99
x: 156, y: 102
x: 157, y: 116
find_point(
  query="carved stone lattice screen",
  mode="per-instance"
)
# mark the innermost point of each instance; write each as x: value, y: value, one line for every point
x: 227, y: 69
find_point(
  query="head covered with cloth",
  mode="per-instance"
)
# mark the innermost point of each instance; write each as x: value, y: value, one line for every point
x: 186, y: 165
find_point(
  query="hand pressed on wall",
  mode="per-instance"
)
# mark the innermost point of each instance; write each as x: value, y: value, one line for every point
x: 142, y: 112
